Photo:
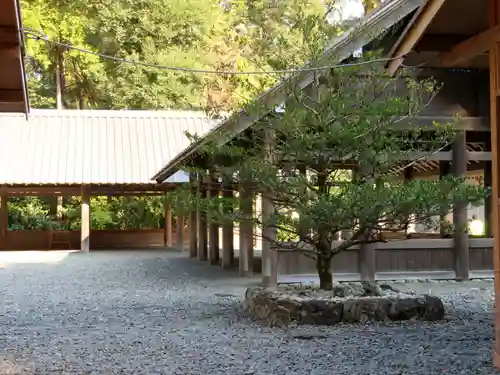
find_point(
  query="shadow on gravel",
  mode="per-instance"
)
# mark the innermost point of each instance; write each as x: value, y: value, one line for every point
x: 195, y: 270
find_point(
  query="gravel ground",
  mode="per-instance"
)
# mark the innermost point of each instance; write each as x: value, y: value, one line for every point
x: 159, y: 313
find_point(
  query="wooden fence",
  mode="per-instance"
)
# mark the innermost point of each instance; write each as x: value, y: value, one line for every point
x: 99, y: 239
x: 418, y: 258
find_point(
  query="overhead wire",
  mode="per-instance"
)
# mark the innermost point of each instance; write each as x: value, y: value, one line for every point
x: 38, y: 35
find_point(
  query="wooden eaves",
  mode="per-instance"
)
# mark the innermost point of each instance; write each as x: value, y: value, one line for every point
x: 13, y: 86
x: 92, y: 189
x: 413, y: 32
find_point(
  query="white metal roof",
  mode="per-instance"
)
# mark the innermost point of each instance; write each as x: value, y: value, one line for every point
x: 93, y: 146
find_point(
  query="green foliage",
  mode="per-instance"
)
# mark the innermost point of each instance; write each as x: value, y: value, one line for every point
x: 27, y: 213
x: 203, y: 34
x: 351, y: 118
x: 32, y: 213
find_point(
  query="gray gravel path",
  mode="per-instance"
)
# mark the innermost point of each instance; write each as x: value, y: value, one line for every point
x: 159, y: 313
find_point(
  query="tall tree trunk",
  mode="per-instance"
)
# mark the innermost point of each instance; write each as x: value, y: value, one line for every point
x: 323, y: 267
x: 59, y: 71
x: 58, y: 202
x: 323, y: 258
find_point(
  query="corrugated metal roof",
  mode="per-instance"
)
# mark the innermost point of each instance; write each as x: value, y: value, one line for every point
x: 93, y: 146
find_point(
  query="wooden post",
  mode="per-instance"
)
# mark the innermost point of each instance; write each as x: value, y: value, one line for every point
x: 460, y: 235
x: 193, y: 220
x: 202, y: 223
x: 488, y: 203
x: 167, y: 231
x: 407, y: 176
x: 303, y: 230
x: 180, y: 232
x: 444, y: 169
x: 495, y: 149
x: 246, y: 232
x: 213, y: 228
x: 4, y: 219
x: 85, y: 226
x: 269, y: 254
x: 227, y: 227
x: 367, y: 252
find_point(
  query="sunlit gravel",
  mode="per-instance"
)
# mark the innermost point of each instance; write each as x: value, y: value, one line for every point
x: 157, y: 312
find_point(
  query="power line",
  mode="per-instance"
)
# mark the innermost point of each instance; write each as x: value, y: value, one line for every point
x: 37, y: 35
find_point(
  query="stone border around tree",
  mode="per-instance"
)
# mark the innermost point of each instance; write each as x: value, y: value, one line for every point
x: 308, y: 306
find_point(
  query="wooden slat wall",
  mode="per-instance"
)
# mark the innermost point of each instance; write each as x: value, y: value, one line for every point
x: 409, y: 256
x: 99, y: 239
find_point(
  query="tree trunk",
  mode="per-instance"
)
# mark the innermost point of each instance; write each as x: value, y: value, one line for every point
x: 324, y: 257
x: 323, y: 266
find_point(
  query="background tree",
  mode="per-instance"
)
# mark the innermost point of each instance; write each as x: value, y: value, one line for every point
x: 350, y: 120
x: 371, y: 5
x: 204, y: 34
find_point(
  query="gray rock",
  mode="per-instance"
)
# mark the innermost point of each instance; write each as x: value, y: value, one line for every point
x: 320, y: 312
x: 434, y: 308
x: 364, y: 310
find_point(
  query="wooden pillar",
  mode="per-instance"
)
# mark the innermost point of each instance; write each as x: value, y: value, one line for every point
x: 444, y: 170
x: 202, y: 222
x: 180, y: 232
x: 4, y: 219
x: 246, y: 262
x: 367, y: 251
x: 213, y: 227
x: 407, y: 176
x: 488, y: 203
x: 85, y: 226
x: 269, y: 254
x: 495, y: 149
x: 303, y: 230
x: 167, y: 230
x: 227, y: 227
x: 193, y: 220
x: 460, y: 235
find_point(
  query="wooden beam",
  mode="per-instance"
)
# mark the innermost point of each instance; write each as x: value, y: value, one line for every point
x: 447, y: 156
x: 227, y: 227
x: 246, y: 262
x: 460, y: 235
x: 180, y: 232
x: 463, y: 123
x: 439, y: 42
x: 213, y: 226
x: 193, y: 220
x: 269, y: 254
x: 471, y: 47
x: 488, y: 203
x: 367, y: 251
x: 413, y: 32
x: 93, y: 190
x: 202, y: 223
x: 86, y: 224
